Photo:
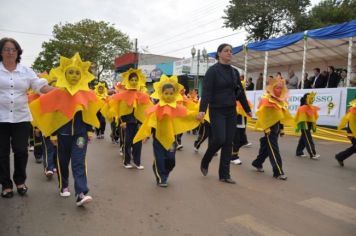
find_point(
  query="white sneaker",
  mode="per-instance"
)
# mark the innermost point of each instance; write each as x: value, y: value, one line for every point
x: 121, y: 153
x: 83, y: 199
x: 303, y: 155
x: 196, y: 149
x: 236, y: 162
x: 179, y: 147
x: 64, y: 193
x: 49, y: 173
x: 31, y: 148
x: 248, y: 145
x: 139, y: 167
x: 128, y: 166
x: 315, y: 157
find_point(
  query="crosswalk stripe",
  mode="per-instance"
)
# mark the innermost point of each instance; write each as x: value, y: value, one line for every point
x: 258, y: 226
x: 332, y: 209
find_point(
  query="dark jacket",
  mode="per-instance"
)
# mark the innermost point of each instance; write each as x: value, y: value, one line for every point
x: 320, y: 82
x: 221, y: 88
x: 333, y: 80
x: 75, y: 126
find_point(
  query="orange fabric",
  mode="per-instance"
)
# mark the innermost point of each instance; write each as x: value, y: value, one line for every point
x: 130, y: 96
x: 266, y: 103
x: 352, y: 110
x: 161, y: 111
x: 33, y: 96
x: 61, y: 100
x: 310, y: 110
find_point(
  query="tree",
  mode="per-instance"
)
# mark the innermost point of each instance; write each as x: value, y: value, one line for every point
x: 263, y: 19
x: 97, y: 42
x: 327, y: 12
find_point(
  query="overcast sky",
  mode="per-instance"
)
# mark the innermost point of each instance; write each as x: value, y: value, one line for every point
x: 164, y: 27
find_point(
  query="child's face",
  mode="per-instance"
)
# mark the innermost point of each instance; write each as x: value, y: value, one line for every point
x: 73, y: 75
x: 133, y: 82
x: 168, y: 95
x: 310, y: 100
x: 277, y: 90
x: 101, y: 89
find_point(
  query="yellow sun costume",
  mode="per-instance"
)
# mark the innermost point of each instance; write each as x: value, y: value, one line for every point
x: 101, y: 91
x: 349, y: 119
x: 56, y: 108
x: 307, y: 113
x: 273, y: 109
x: 167, y: 117
x: 133, y: 99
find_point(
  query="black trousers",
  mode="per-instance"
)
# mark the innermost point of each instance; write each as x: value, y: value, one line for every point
x: 16, y: 135
x: 239, y: 140
x: 223, y: 123
x: 269, y: 148
x: 101, y: 129
x: 37, y: 143
x: 204, y: 132
x: 341, y: 156
x: 306, y: 141
x: 132, y: 150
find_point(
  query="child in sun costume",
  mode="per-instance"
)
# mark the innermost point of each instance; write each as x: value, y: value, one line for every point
x: 272, y: 115
x: 240, y: 137
x: 305, y: 120
x: 130, y: 105
x: 348, y: 121
x: 102, y: 93
x: 165, y: 120
x: 48, y: 150
x: 67, y: 114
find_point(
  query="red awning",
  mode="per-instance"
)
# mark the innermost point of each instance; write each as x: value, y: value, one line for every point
x: 128, y: 58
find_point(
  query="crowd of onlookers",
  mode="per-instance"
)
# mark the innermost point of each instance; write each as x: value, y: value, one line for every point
x: 331, y: 78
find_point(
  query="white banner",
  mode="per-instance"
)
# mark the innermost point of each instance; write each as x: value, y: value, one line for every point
x: 332, y: 103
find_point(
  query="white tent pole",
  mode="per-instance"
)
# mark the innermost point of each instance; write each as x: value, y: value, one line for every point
x: 349, y: 62
x: 265, y: 70
x: 246, y: 57
x: 304, y: 57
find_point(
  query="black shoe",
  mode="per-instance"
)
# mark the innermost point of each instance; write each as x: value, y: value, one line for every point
x: 6, y: 194
x: 204, y: 171
x: 22, y: 190
x: 229, y: 181
x: 341, y: 163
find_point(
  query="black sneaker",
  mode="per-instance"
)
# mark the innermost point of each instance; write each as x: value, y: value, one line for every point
x: 22, y: 190
x: 7, y: 194
x: 83, y: 199
x: 341, y: 163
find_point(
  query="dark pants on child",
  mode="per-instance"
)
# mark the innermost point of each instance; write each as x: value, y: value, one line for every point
x: 240, y: 139
x: 49, y: 154
x: 131, y: 149
x: 73, y: 148
x: 269, y: 148
x: 37, y: 144
x: 164, y: 161
x: 101, y: 129
x: 16, y: 135
x: 223, y: 123
x: 204, y: 132
x: 306, y: 141
x: 341, y: 156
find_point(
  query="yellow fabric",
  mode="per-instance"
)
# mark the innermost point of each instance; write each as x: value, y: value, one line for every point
x: 48, y: 123
x: 121, y: 108
x: 350, y: 119
x: 167, y: 128
x: 267, y: 116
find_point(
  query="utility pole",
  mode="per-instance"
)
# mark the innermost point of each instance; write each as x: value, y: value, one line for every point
x: 136, y: 54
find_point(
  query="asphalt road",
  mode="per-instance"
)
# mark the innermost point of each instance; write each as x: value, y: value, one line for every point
x: 319, y: 197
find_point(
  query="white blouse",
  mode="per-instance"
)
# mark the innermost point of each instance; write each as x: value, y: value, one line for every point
x: 13, y: 93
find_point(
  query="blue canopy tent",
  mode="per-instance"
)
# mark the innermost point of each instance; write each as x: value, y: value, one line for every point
x: 319, y: 45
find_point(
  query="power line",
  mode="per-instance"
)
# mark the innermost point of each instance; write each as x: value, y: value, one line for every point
x: 23, y: 32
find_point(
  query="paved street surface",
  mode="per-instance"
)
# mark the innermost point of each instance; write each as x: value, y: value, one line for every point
x: 319, y: 197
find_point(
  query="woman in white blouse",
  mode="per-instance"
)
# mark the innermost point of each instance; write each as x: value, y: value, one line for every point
x: 15, y: 116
